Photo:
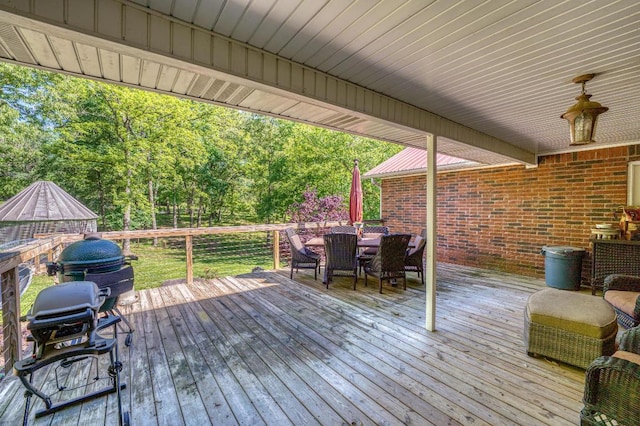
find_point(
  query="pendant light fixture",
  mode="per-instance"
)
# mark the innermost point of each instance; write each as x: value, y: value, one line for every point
x: 582, y: 116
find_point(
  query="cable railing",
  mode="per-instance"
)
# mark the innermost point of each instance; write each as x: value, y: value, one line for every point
x: 182, y: 253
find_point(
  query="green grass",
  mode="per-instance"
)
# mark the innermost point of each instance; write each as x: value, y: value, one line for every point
x: 213, y: 256
x: 38, y: 282
x: 222, y: 255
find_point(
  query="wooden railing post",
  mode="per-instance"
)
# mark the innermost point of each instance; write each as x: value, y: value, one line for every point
x: 11, y: 329
x: 37, y: 265
x: 276, y: 249
x: 189, y: 249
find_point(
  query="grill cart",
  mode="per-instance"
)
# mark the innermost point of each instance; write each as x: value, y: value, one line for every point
x: 64, y: 324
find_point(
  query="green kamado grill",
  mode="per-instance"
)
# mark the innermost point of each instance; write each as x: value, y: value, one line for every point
x: 97, y: 260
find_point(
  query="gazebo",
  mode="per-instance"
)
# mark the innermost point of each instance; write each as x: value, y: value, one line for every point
x: 43, y: 207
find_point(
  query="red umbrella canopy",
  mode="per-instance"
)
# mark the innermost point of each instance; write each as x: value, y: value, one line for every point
x: 355, y: 196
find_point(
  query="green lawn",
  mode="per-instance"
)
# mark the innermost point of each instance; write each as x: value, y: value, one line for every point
x: 222, y: 255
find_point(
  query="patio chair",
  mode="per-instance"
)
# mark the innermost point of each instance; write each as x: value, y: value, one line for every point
x: 623, y: 293
x: 301, y: 257
x: 368, y: 253
x: 343, y: 229
x: 340, y: 254
x: 612, y: 385
x: 413, y: 261
x: 388, y: 263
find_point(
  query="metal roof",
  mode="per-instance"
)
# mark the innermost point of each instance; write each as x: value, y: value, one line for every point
x: 43, y: 201
x: 489, y: 78
x: 414, y: 161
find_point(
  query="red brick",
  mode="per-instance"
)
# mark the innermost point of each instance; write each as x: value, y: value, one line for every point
x: 500, y: 218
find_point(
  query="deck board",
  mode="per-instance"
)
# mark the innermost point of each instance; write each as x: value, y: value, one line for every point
x: 445, y: 396
x: 263, y: 349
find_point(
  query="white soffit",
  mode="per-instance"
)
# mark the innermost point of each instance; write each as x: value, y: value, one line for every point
x: 391, y: 70
x: 162, y: 54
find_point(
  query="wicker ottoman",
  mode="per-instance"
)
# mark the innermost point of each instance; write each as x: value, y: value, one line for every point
x: 570, y: 327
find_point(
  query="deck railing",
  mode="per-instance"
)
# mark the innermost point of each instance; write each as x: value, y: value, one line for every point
x: 51, y: 246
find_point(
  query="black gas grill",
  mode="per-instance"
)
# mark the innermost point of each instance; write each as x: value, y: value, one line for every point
x: 65, y: 327
x: 65, y: 312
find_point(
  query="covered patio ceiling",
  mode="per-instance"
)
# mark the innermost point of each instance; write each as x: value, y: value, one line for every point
x: 489, y: 78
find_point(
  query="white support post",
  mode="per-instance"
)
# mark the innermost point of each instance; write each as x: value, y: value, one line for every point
x: 431, y: 198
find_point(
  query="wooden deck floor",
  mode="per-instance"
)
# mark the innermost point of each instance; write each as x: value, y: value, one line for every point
x: 262, y: 349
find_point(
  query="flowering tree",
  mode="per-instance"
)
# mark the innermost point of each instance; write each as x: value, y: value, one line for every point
x: 314, y: 209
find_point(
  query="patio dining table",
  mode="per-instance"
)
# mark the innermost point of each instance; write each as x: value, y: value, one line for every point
x: 317, y: 242
x: 362, y: 242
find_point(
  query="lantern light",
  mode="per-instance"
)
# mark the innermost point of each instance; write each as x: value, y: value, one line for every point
x: 583, y: 116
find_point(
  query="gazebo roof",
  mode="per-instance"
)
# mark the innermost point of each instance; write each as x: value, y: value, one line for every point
x: 43, y: 201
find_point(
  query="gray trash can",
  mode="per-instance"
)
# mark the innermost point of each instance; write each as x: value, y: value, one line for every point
x: 563, y: 267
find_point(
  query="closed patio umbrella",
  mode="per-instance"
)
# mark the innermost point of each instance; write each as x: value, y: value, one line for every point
x: 355, y: 196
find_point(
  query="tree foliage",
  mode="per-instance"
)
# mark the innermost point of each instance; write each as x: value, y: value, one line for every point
x: 315, y: 209
x: 25, y: 105
x: 129, y: 154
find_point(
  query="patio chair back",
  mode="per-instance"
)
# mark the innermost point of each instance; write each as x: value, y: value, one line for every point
x: 393, y: 249
x: 371, y: 232
x: 375, y: 231
x: 301, y: 256
x: 294, y: 239
x: 340, y: 256
x: 343, y: 229
x: 388, y: 263
x: 413, y: 261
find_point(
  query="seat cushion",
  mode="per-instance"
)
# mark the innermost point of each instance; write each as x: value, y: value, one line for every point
x: 416, y: 242
x: 629, y: 356
x: 574, y: 312
x: 372, y: 234
x: 623, y: 300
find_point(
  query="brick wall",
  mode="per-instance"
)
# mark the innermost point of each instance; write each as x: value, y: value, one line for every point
x: 499, y: 218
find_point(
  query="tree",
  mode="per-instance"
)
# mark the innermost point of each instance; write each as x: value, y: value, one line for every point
x: 268, y: 166
x: 20, y: 154
x: 25, y: 104
x: 124, y: 152
x: 324, y: 159
x: 315, y: 209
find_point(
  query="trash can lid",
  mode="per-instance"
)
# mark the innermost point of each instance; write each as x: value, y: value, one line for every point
x: 562, y: 250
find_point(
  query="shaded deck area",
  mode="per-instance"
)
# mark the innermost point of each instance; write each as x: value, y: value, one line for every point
x: 263, y: 349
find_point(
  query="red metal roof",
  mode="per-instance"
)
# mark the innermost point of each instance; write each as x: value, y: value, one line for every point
x: 413, y: 161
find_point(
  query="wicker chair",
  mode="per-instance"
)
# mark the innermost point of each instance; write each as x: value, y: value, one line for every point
x: 623, y: 293
x: 413, y: 262
x: 340, y: 257
x: 612, y: 385
x: 388, y: 263
x: 301, y: 257
x: 368, y: 253
x: 343, y: 229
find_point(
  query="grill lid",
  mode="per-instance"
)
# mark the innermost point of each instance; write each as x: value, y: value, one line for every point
x: 63, y: 298
x: 91, y: 250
